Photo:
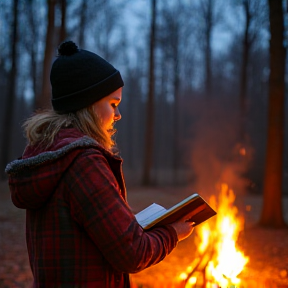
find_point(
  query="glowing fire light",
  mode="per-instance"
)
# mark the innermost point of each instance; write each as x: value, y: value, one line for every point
x: 226, y: 262
x: 242, y: 151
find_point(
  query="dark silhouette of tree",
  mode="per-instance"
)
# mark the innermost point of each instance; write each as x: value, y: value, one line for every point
x: 63, y: 32
x: 31, y: 36
x: 149, y: 134
x: 208, y: 18
x: 43, y: 100
x: 207, y: 14
x: 272, y: 215
x: 82, y: 23
x: 255, y: 15
x: 11, y: 95
x: 172, y: 48
x: 92, y: 16
x: 105, y: 22
x: 207, y: 9
x: 247, y: 42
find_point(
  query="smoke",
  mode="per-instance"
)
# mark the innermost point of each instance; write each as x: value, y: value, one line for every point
x: 218, y: 154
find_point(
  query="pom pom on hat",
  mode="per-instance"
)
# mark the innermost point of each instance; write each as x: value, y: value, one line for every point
x: 67, y: 48
x: 79, y: 78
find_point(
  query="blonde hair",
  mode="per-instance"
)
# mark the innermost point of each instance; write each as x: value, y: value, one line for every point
x: 41, y: 128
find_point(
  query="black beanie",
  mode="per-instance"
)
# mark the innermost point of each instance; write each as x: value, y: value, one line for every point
x: 79, y: 78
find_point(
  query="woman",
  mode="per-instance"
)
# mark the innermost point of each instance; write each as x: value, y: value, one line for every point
x: 79, y: 227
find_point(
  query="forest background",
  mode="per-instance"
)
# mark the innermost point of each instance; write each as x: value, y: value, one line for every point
x: 197, y: 94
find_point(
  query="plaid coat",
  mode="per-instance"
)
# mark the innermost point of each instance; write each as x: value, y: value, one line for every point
x: 80, y: 231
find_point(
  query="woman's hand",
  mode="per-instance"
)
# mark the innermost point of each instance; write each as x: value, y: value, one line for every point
x: 183, y: 227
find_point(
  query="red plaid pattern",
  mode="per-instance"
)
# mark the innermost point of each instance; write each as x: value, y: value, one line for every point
x: 80, y: 230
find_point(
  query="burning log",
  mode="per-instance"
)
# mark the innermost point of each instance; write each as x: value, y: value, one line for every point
x: 202, y: 262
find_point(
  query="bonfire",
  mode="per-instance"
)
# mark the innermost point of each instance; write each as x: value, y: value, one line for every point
x: 219, y: 262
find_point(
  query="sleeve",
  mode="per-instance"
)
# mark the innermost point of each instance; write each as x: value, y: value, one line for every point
x: 98, y: 207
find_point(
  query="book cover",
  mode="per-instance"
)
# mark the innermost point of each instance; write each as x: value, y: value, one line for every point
x: 156, y: 215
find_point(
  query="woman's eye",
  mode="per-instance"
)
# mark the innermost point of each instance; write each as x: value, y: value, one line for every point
x: 113, y: 105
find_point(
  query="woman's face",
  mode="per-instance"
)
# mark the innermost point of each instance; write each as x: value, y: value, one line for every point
x: 107, y: 109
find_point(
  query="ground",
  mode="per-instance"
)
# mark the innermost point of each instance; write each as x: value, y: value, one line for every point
x: 266, y: 248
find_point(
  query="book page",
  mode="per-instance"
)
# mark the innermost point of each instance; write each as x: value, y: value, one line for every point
x: 149, y: 214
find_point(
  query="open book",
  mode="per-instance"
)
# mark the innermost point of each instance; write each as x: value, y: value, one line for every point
x: 156, y: 215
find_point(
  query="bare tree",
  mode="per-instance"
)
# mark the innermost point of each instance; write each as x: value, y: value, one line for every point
x: 43, y: 100
x: 30, y: 39
x: 106, y: 25
x: 11, y: 95
x: 149, y: 135
x: 82, y: 23
x: 207, y: 9
x: 209, y: 15
x: 272, y: 215
x: 172, y: 48
x: 247, y: 42
x: 63, y: 32
x: 254, y: 18
x: 92, y: 16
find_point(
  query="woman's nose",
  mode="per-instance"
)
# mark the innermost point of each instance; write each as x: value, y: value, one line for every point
x: 117, y: 115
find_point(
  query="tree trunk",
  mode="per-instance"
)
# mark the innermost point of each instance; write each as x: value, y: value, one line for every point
x: 63, y: 32
x: 32, y: 49
x: 82, y: 23
x: 272, y: 215
x: 208, y: 36
x: 11, y: 95
x: 176, y: 84
x: 149, y: 136
x: 44, y: 100
x: 243, y: 74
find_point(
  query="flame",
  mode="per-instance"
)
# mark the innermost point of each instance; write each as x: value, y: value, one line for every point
x: 218, y: 240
